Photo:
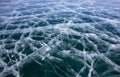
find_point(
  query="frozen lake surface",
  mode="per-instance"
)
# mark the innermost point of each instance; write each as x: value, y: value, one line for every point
x: 59, y: 38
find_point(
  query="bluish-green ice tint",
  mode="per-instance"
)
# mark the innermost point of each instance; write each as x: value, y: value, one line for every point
x: 59, y: 38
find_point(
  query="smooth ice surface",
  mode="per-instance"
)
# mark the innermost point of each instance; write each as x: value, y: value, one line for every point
x: 59, y: 38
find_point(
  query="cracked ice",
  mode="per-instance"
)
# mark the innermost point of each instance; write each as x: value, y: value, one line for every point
x: 59, y: 38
